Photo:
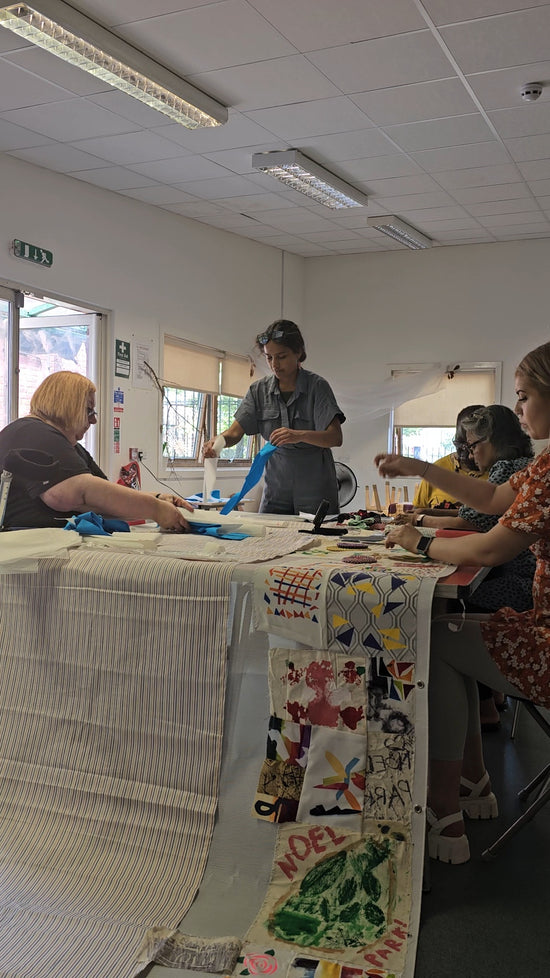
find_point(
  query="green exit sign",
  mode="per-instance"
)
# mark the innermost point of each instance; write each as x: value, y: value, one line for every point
x: 30, y: 252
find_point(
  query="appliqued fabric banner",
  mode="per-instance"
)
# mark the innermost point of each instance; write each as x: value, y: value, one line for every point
x: 376, y: 612
x: 344, y: 895
x: 291, y: 601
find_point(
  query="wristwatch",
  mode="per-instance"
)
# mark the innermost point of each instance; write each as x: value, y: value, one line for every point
x: 424, y: 545
x: 419, y: 519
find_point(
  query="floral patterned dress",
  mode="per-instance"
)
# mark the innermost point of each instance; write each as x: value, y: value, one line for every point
x: 519, y: 642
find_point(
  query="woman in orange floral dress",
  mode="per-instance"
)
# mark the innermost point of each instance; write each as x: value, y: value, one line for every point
x: 508, y: 651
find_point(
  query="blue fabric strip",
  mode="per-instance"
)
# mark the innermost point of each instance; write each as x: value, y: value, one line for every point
x: 91, y: 524
x: 253, y: 477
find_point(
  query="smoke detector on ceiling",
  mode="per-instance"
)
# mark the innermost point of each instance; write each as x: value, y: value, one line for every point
x: 531, y: 92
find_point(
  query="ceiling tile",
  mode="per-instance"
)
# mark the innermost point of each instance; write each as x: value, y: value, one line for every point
x: 112, y: 178
x: 509, y: 220
x: 540, y: 187
x: 238, y: 131
x: 280, y: 81
x: 256, y: 202
x: 71, y: 120
x: 534, y: 169
x: 211, y: 189
x: 500, y: 42
x: 180, y: 169
x: 440, y: 132
x: 131, y: 109
x: 316, y: 118
x: 530, y: 148
x: 45, y: 65
x: 132, y: 147
x: 15, y: 137
x: 449, y: 12
x: 59, y: 157
x: 379, y: 167
x: 240, y: 160
x: 157, y: 195
x: 398, y: 186
x: 384, y: 62
x: 208, y: 37
x: 526, y: 120
x: 502, y: 191
x: 437, y: 198
x: 314, y: 24
x: 457, y: 157
x: 19, y: 89
x: 501, y: 89
x: 522, y: 205
x: 125, y: 11
x: 415, y: 103
x: 478, y: 176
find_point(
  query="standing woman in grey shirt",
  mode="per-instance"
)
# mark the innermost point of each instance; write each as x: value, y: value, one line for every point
x: 295, y: 410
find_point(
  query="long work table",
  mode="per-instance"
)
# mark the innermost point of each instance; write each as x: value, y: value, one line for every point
x: 224, y: 760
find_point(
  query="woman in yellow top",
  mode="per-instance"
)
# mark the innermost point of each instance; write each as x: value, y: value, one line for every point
x: 428, y: 496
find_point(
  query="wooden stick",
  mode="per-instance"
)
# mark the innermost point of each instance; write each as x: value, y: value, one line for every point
x: 376, y: 498
x: 405, y: 494
x: 388, y: 500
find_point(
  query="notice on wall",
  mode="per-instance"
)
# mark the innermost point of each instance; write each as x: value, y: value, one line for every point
x: 122, y: 358
x: 143, y: 356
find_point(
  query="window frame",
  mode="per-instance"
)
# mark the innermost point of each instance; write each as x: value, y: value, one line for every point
x: 207, y: 424
x: 395, y: 440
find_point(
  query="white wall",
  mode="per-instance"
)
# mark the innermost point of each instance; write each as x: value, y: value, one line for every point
x: 364, y: 313
x: 155, y: 271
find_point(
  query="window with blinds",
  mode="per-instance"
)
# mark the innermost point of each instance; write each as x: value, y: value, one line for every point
x: 202, y: 389
x: 424, y: 427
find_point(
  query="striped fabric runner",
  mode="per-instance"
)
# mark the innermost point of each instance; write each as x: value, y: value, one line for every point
x: 112, y: 678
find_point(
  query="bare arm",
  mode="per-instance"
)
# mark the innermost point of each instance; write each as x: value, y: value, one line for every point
x: 438, y: 522
x: 484, y: 496
x: 88, y: 492
x: 331, y: 437
x: 484, y: 549
x: 232, y: 436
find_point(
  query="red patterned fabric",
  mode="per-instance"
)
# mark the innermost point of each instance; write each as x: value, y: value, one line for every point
x: 519, y: 642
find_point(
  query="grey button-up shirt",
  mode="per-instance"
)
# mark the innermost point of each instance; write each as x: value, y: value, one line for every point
x: 297, y: 477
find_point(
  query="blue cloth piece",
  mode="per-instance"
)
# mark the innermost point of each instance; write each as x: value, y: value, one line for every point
x: 215, y: 530
x: 91, y: 524
x: 215, y: 497
x: 253, y: 477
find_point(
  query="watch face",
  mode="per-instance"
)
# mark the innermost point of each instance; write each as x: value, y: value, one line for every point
x: 423, y: 544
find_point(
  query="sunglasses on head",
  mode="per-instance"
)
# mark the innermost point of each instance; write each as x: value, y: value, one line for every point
x: 275, y: 334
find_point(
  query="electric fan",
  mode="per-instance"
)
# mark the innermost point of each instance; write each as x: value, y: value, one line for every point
x: 347, y: 484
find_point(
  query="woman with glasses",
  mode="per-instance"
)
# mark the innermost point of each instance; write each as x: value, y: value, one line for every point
x: 499, y: 447
x: 295, y: 410
x: 54, y: 477
x: 428, y: 496
x: 508, y: 650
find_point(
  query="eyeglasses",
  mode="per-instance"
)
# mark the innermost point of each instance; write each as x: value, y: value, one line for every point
x: 275, y: 334
x: 474, y: 444
x: 92, y: 413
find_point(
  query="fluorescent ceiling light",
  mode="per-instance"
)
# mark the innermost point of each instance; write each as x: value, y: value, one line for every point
x: 399, y: 231
x: 302, y: 174
x: 63, y: 31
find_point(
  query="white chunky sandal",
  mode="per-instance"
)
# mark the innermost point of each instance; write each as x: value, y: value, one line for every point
x: 446, y: 848
x: 476, y: 805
